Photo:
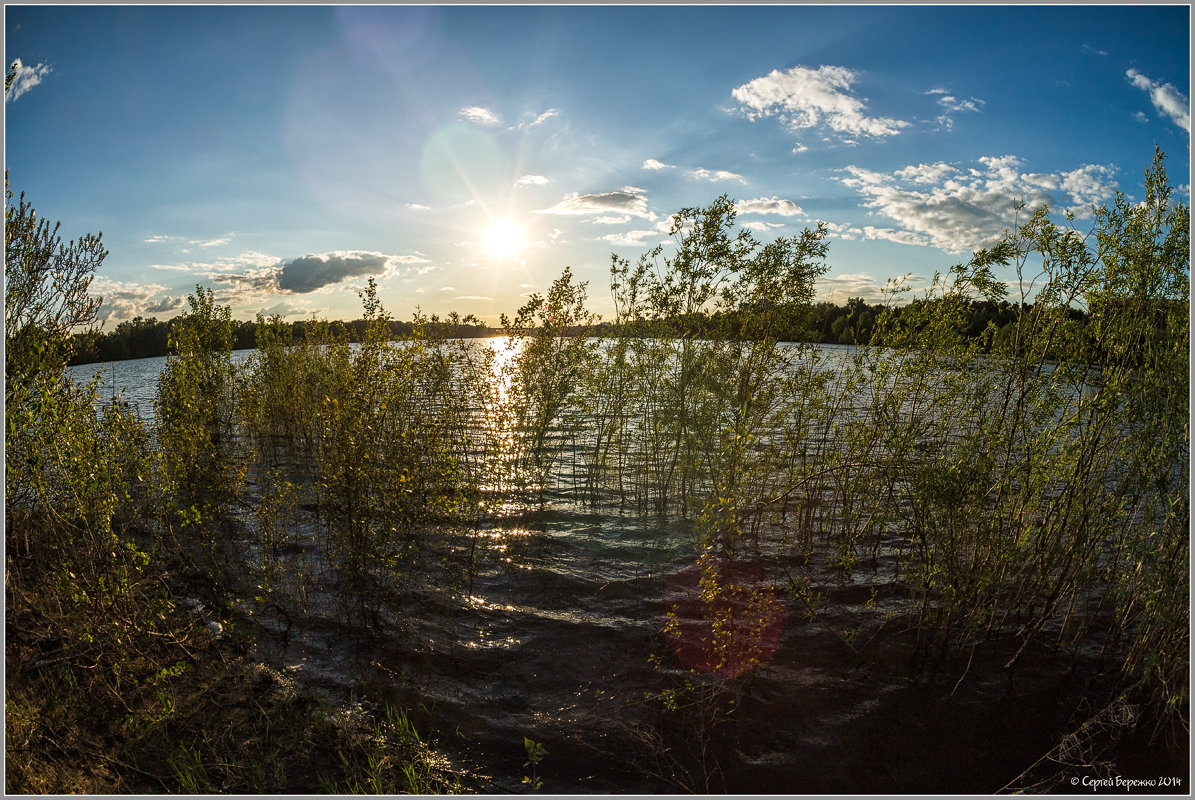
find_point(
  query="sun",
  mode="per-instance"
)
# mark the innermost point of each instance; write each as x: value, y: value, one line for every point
x: 504, y: 240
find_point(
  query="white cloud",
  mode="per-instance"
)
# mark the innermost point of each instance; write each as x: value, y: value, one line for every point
x: 1088, y: 185
x: 410, y: 258
x: 951, y: 105
x: 165, y: 305
x: 418, y: 207
x: 482, y: 116
x: 893, y: 235
x: 245, y: 260
x: 961, y: 210
x: 25, y: 78
x: 768, y: 205
x: 808, y: 98
x: 717, y: 175
x: 841, y: 288
x: 246, y: 288
x: 540, y: 120
x: 632, y: 238
x: 283, y: 308
x: 925, y: 173
x: 1166, y: 99
x: 653, y: 164
x: 127, y: 300
x: 619, y: 220
x: 472, y: 297
x: 762, y: 227
x: 532, y: 180
x: 841, y: 230
x: 159, y: 238
x: 171, y: 267
x: 629, y: 200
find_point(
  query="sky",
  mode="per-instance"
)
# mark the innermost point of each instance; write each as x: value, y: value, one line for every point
x: 463, y: 156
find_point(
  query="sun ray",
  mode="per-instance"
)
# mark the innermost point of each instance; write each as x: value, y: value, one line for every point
x: 504, y: 240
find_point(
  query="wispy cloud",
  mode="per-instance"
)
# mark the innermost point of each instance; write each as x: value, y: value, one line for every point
x: 959, y: 210
x: 698, y: 173
x: 628, y: 200
x: 1168, y: 100
x: 26, y: 78
x: 472, y: 297
x: 805, y: 98
x: 479, y: 115
x: 654, y: 164
x: 952, y: 105
x: 532, y: 180
x: 768, y: 205
x: 716, y: 175
x: 632, y: 238
x: 409, y: 258
x: 160, y: 238
x: 246, y: 260
x: 211, y: 242
x: 540, y: 120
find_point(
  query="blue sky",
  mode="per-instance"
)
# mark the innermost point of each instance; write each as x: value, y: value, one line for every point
x: 464, y: 156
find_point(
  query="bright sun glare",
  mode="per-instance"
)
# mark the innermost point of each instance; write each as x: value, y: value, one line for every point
x: 503, y: 240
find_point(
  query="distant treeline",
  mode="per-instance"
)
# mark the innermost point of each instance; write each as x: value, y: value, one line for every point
x: 825, y: 323
x: 853, y: 323
x: 146, y: 338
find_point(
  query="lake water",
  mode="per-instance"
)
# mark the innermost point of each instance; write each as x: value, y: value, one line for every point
x: 134, y: 381
x: 564, y: 636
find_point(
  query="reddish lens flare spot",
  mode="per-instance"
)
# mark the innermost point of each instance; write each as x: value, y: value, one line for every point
x: 722, y: 616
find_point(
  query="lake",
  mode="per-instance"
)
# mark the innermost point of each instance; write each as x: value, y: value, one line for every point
x: 587, y: 630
